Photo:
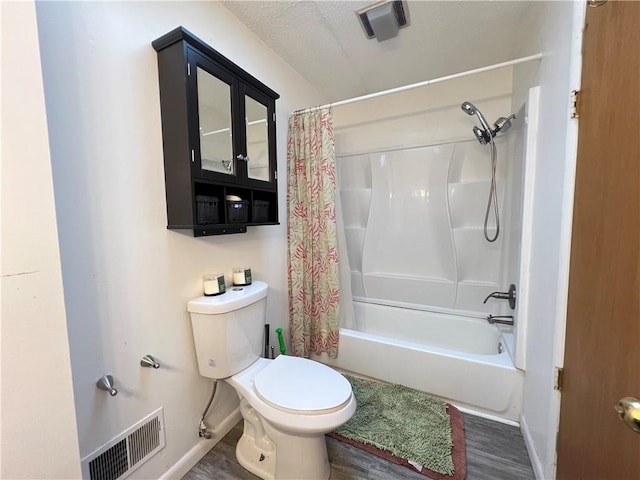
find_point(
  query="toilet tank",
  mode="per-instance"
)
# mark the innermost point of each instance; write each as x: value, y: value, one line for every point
x: 228, y: 329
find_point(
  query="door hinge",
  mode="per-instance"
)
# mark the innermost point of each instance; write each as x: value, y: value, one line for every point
x: 193, y: 156
x: 575, y: 104
x: 559, y: 379
x: 188, y: 69
x: 275, y: 175
x: 274, y: 116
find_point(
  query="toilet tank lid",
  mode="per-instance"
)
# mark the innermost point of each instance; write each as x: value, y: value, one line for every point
x: 233, y: 299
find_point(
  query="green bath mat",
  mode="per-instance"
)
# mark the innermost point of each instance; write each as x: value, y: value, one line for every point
x: 408, y: 427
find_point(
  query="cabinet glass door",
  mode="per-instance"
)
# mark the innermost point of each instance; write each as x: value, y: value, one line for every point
x: 214, y: 120
x: 257, y: 135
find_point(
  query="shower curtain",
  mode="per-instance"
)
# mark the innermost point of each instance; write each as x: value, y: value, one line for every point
x: 313, y: 269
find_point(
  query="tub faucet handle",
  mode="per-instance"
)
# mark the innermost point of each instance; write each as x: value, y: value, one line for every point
x: 509, y: 295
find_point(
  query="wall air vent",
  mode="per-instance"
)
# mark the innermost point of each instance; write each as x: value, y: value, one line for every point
x: 382, y: 20
x: 118, y: 458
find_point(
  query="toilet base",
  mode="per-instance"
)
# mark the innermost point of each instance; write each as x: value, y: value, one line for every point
x: 276, y: 455
x: 254, y: 459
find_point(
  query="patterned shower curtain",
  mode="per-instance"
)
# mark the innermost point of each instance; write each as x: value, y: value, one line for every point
x: 312, y: 234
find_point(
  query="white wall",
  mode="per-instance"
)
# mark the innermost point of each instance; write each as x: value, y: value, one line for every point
x: 127, y: 279
x: 555, y: 30
x: 37, y: 393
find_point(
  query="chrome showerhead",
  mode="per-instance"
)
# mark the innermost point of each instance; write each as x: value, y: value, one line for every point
x: 485, y: 136
x: 481, y: 135
x: 470, y: 109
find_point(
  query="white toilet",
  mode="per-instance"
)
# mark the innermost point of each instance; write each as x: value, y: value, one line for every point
x: 288, y: 404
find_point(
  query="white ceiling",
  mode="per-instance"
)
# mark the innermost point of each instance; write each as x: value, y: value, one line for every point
x: 323, y: 40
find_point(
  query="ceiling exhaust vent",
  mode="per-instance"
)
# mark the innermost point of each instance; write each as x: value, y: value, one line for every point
x: 383, y: 19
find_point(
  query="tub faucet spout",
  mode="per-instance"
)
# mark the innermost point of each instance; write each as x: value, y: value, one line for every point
x: 501, y: 319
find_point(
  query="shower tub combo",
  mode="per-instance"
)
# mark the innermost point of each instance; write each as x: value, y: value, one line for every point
x: 424, y: 263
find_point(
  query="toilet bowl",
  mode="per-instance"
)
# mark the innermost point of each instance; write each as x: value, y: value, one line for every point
x: 288, y: 404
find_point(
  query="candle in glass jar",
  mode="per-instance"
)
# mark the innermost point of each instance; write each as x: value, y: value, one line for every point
x: 241, y: 276
x: 213, y: 284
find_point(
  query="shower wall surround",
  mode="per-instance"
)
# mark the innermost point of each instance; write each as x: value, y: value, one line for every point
x: 414, y: 185
x: 413, y: 225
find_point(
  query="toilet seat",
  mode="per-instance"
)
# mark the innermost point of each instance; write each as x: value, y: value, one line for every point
x: 302, y: 386
x: 293, y: 421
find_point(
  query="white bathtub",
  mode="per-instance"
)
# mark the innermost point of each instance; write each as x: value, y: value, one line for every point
x: 463, y: 360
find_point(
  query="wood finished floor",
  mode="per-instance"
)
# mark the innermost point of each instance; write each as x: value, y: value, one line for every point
x: 494, y: 452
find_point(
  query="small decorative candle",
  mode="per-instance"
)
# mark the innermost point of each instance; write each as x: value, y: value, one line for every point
x: 241, y: 276
x: 213, y: 284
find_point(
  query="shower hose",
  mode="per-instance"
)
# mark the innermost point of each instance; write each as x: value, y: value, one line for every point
x: 493, y: 196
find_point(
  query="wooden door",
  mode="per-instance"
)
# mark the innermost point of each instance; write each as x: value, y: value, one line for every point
x: 602, y: 353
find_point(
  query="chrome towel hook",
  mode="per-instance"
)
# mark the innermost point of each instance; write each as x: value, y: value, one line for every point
x: 149, y: 361
x: 106, y: 383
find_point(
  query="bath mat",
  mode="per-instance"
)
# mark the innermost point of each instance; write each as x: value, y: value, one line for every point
x: 407, y: 427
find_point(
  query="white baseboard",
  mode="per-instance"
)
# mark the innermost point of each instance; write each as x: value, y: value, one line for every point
x: 193, y: 456
x: 533, y: 454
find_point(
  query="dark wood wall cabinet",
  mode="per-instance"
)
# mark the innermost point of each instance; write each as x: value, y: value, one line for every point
x: 219, y: 139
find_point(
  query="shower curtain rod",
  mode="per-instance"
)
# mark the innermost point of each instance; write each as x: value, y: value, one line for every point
x: 530, y: 58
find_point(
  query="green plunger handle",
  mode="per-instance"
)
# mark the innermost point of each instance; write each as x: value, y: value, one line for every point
x: 283, y: 349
